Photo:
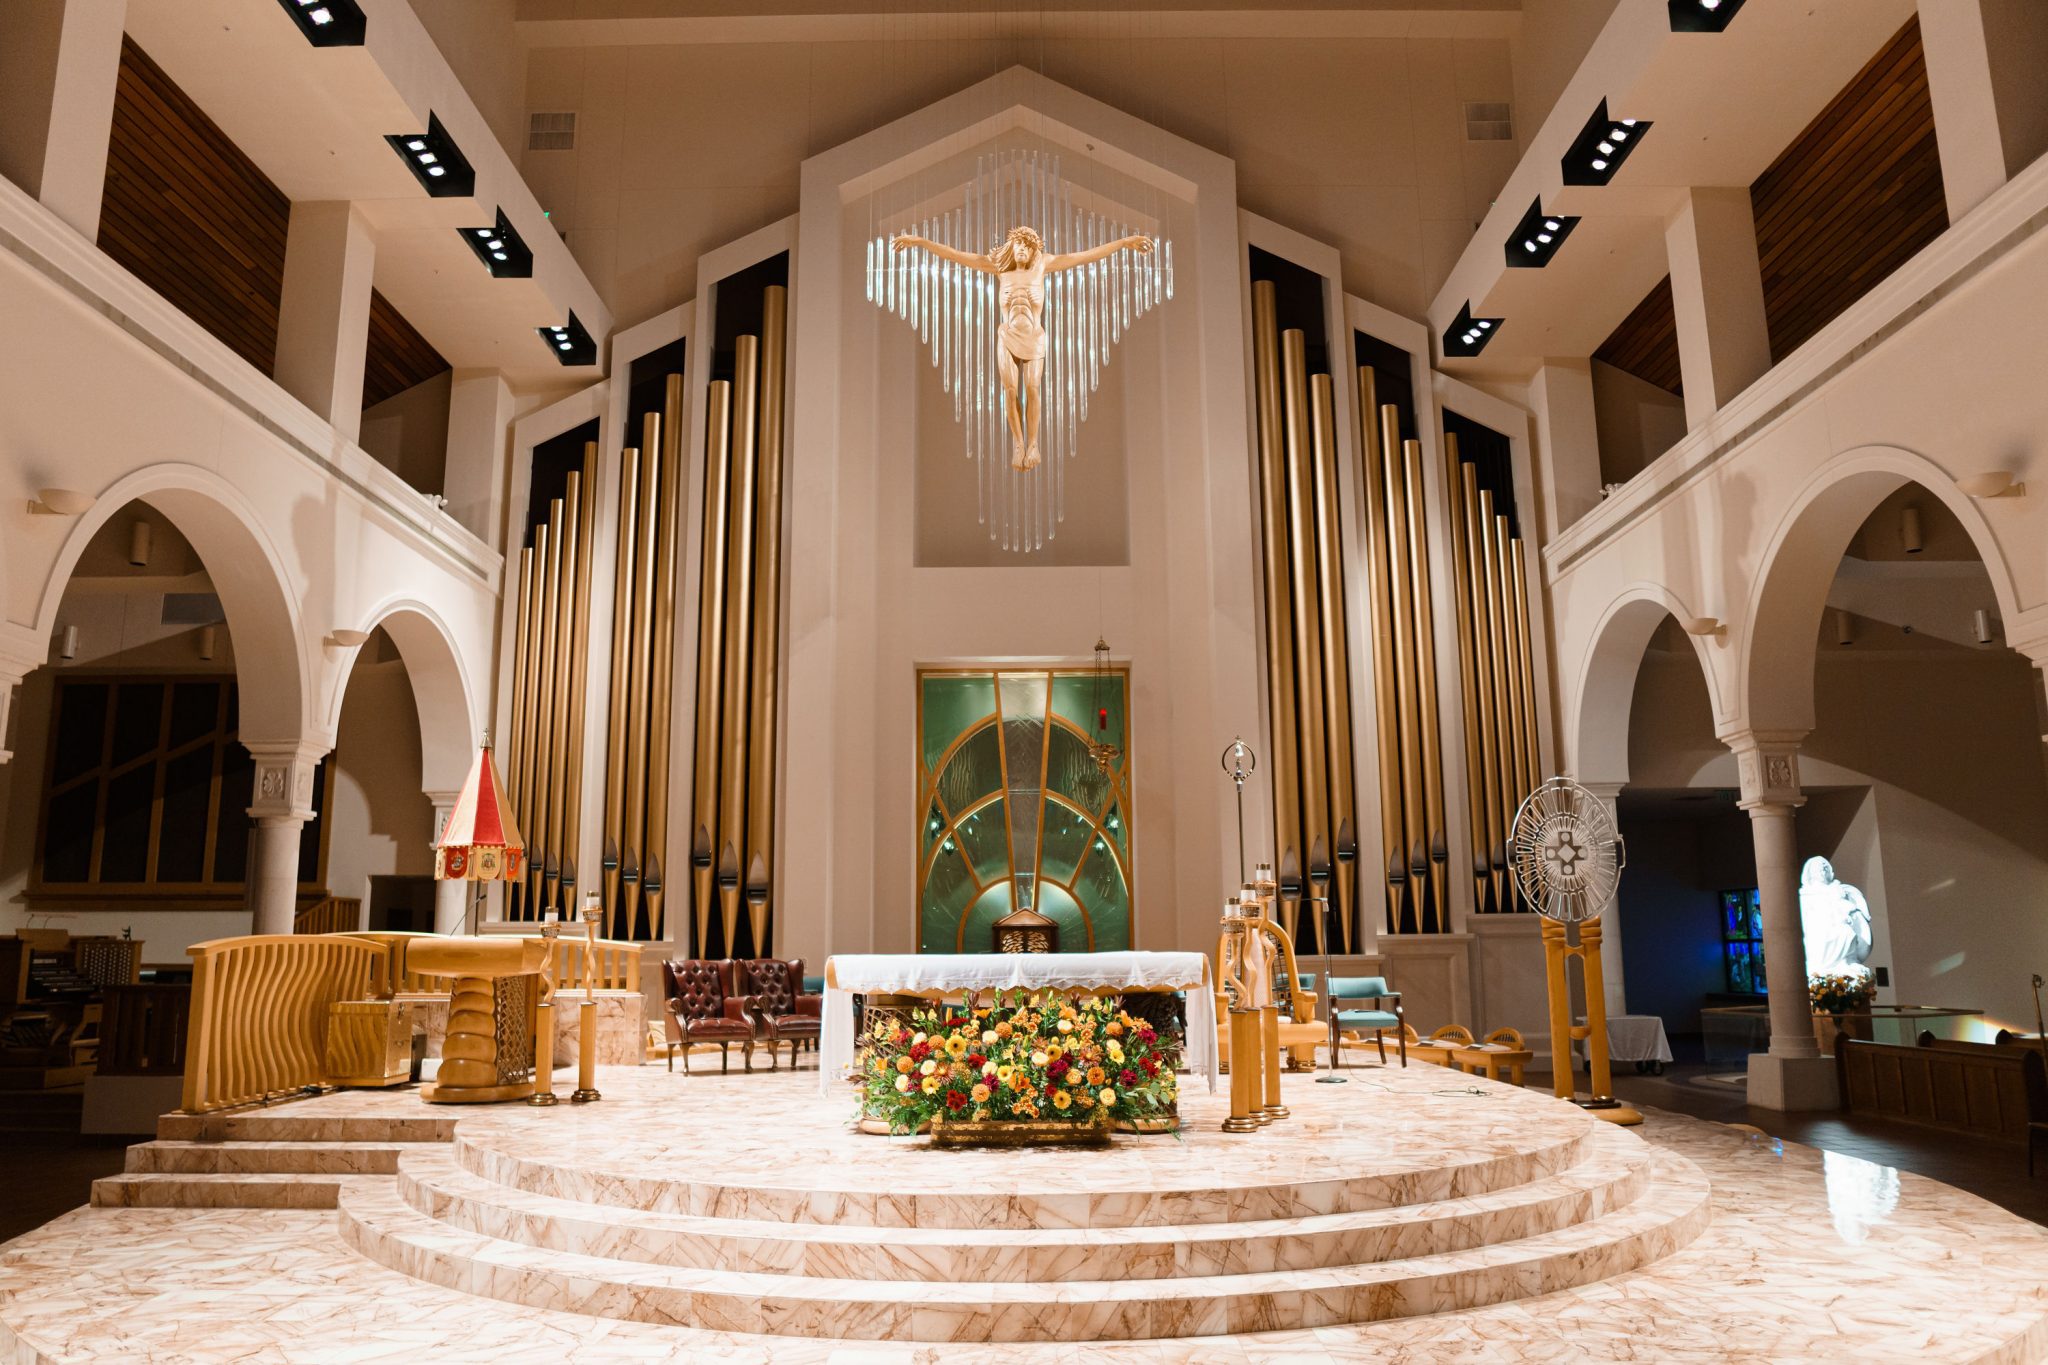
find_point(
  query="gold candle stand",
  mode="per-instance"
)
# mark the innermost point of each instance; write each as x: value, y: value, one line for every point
x: 586, y: 1035
x: 544, y: 1095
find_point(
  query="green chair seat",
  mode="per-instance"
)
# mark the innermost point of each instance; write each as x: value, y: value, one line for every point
x: 1364, y: 1019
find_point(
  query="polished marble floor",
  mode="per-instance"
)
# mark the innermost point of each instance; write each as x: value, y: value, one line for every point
x: 1794, y: 1253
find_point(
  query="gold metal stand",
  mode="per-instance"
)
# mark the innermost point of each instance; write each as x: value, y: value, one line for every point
x: 1556, y: 951
x: 586, y: 1019
x: 544, y: 1027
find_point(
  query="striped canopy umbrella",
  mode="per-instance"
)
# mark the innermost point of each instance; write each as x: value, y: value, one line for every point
x: 480, y: 842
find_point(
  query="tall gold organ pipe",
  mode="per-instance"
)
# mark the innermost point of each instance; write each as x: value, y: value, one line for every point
x: 1510, y: 631
x: 515, y: 751
x: 1426, y: 688
x: 1414, y: 848
x: 633, y: 849
x: 540, y: 841
x: 622, y: 635
x: 559, y: 798
x: 739, y: 600
x: 767, y: 634
x: 529, y: 761
x: 579, y: 660
x: 1273, y: 533
x: 1296, y: 422
x: 1496, y: 635
x: 1335, y: 653
x: 1461, y: 596
x: 1532, y: 742
x: 1487, y: 839
x: 710, y: 654
x: 667, y: 525
x: 1374, y: 422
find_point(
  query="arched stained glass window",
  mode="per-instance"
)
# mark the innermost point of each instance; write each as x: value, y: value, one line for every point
x: 1017, y: 812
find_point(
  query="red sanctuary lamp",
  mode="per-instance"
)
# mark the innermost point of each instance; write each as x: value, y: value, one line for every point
x: 1099, y: 747
x: 480, y: 843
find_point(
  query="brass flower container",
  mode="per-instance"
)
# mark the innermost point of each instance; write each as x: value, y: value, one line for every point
x: 1090, y: 1132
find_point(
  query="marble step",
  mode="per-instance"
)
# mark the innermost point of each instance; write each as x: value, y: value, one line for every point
x: 308, y: 1158
x: 1215, y: 1191
x: 376, y: 1221
x: 1613, y: 1175
x: 281, y: 1125
x: 205, y: 1190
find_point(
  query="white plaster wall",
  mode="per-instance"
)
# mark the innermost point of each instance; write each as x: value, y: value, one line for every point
x: 407, y: 433
x: 378, y: 820
x: 1636, y: 420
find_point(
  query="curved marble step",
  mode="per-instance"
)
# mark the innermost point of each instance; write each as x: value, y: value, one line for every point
x: 178, y: 1157
x: 1613, y: 1175
x: 1047, y: 1206
x: 1672, y: 1209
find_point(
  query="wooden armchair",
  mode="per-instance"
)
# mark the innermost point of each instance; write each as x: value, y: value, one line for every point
x: 702, y: 1006
x: 783, y: 1012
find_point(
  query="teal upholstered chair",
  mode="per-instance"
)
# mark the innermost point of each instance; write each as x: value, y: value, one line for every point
x: 1360, y: 990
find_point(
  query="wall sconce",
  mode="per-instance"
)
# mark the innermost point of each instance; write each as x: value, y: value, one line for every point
x: 69, y: 648
x: 1704, y: 625
x: 1909, y: 529
x: 347, y: 639
x: 1982, y: 621
x: 1999, y: 483
x: 138, y: 544
x: 60, y: 502
x: 209, y: 640
x: 1845, y: 628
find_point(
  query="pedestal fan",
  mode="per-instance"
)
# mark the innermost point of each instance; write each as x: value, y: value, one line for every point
x: 1566, y: 858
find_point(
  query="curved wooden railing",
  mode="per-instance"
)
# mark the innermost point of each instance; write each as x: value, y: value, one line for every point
x: 335, y: 915
x: 259, y: 1012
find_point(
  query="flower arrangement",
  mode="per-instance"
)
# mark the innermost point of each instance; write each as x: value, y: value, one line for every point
x: 1840, y: 992
x: 1038, y: 1057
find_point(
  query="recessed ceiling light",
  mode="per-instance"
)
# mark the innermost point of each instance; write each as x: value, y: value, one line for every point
x: 1468, y: 335
x: 501, y: 249
x: 1601, y: 147
x: 435, y: 161
x: 571, y: 343
x: 1541, y: 235
x: 328, y: 23
x: 1702, y: 16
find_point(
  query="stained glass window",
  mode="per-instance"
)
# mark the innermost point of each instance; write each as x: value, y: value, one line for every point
x: 1742, y: 941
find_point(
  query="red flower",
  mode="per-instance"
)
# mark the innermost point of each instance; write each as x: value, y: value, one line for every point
x: 955, y: 1100
x: 1150, y: 1064
x: 1127, y: 1077
x: 976, y: 1060
x: 920, y: 1051
x: 1146, y: 1034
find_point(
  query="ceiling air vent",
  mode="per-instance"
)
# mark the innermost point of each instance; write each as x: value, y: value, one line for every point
x: 1489, y: 122
x: 192, y: 609
x: 550, y: 132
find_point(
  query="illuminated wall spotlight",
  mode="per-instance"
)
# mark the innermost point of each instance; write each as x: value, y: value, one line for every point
x: 1702, y: 16
x: 1601, y: 146
x: 1537, y: 237
x: 570, y: 342
x: 501, y: 251
x: 1468, y: 335
x: 328, y: 23
x: 434, y: 159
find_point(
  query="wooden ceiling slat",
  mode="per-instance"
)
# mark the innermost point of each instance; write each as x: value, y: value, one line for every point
x: 1646, y: 343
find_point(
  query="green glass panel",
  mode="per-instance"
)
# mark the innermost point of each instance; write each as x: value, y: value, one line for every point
x: 934, y: 825
x: 980, y: 936
x: 947, y: 892
x: 1023, y: 699
x: 1073, y: 696
x: 1059, y: 907
x: 1070, y: 770
x: 981, y: 834
x: 951, y: 705
x: 1066, y: 836
x: 1119, y: 828
x: 1101, y: 888
x: 974, y: 771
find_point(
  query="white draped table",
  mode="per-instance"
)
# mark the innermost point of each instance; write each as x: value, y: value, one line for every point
x: 931, y: 973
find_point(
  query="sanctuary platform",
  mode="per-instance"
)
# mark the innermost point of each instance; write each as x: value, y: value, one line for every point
x: 1407, y: 1215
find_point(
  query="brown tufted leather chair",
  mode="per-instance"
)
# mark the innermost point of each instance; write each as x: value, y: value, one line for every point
x: 703, y: 1007
x: 774, y: 990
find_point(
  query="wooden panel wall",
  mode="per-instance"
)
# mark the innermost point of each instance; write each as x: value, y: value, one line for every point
x: 193, y: 218
x: 1847, y: 203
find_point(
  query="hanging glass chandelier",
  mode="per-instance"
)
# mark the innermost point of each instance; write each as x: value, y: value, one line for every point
x: 964, y: 313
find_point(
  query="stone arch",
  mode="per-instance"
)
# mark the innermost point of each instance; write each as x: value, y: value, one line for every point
x: 1598, y: 727
x: 440, y: 689
x: 247, y: 572
x: 1775, y: 668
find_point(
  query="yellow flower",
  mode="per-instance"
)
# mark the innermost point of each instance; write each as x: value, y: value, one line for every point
x: 1116, y: 1051
x: 980, y: 1095
x: 1019, y: 1082
x: 1061, y: 1099
x: 1095, y: 1075
x: 956, y: 1047
x: 1053, y: 1054
x: 904, y: 1064
x: 1108, y: 1096
x: 903, y: 1082
x: 1003, y: 1071
x: 931, y: 1085
x: 1115, y: 1028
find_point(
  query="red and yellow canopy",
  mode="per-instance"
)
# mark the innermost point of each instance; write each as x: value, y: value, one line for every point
x: 480, y: 842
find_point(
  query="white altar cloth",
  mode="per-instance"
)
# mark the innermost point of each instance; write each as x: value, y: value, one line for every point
x: 888, y: 973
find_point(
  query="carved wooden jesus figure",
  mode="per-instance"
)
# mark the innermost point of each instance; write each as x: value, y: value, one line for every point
x: 1020, y: 266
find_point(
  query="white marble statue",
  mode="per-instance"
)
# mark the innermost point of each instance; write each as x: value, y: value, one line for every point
x: 1835, y: 920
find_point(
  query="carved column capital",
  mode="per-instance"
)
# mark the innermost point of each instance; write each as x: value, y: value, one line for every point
x: 1768, y: 768
x: 283, y: 785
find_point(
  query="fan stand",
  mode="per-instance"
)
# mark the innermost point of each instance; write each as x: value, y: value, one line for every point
x: 1556, y: 950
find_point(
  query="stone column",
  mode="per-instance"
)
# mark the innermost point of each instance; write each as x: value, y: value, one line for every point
x: 59, y: 63
x: 479, y: 415
x: 283, y: 804
x: 1610, y: 919
x: 323, y: 323
x: 1984, y: 59
x: 451, y: 899
x: 1717, y: 292
x: 1792, y: 1075
x: 1568, y: 441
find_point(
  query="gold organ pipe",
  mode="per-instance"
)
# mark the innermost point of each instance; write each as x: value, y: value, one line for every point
x: 739, y: 600
x: 1280, y: 661
x: 1426, y: 688
x: 1518, y: 750
x: 1496, y: 618
x: 1461, y: 596
x: 668, y: 521
x: 579, y: 661
x: 515, y: 751
x: 767, y: 635
x: 1297, y: 423
x: 710, y: 654
x: 1414, y: 850
x: 1335, y: 652
x: 622, y: 634
x: 633, y: 848
x: 1487, y: 837
x: 560, y: 852
x: 1532, y: 738
x: 541, y: 840
x: 529, y: 762
x: 1386, y: 699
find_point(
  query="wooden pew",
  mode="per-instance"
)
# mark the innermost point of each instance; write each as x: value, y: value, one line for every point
x: 1999, y: 1094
